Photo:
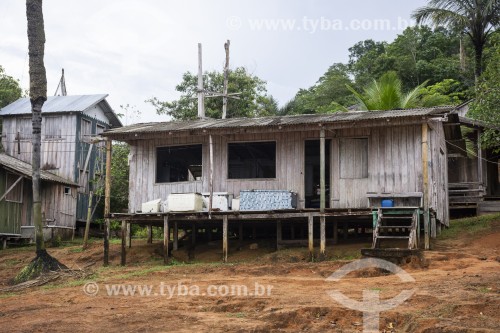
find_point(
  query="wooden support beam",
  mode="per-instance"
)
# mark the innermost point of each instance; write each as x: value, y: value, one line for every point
x: 426, y: 230
x: 107, y: 201
x: 433, y: 227
x: 166, y: 239
x: 193, y: 234
x: 211, y: 175
x: 124, y: 245
x: 4, y: 243
x: 335, y: 232
x: 150, y: 234
x: 129, y: 236
x: 425, y: 177
x: 240, y: 235
x: 479, y: 158
x: 310, y: 238
x: 322, y: 167
x: 224, y: 238
x: 279, y: 236
x: 322, y: 243
x: 176, y: 236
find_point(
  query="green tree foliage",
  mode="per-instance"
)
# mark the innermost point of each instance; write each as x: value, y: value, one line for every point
x: 10, y: 90
x: 420, y: 54
x: 119, y: 177
x: 446, y: 92
x: 368, y: 60
x: 486, y: 106
x: 253, y: 99
x: 477, y: 18
x: 387, y: 94
x: 329, y: 94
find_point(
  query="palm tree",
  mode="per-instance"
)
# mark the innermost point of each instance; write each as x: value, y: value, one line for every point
x: 43, y: 262
x: 387, y: 94
x: 477, y: 18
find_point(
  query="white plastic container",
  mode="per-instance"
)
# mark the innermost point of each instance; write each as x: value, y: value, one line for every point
x: 220, y: 200
x: 235, y: 205
x: 151, y: 206
x: 185, y: 202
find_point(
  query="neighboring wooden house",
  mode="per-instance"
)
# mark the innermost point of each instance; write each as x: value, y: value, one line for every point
x: 58, y: 200
x: 68, y: 125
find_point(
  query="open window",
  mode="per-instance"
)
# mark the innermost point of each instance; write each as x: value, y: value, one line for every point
x: 178, y: 163
x: 252, y: 160
x: 353, y: 158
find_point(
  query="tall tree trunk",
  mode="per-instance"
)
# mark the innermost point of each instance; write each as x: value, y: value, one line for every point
x: 38, y: 95
x: 478, y: 66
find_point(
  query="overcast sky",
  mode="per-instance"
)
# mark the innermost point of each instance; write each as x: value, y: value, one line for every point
x: 134, y: 50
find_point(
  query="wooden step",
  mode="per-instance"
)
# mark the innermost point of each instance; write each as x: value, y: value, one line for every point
x: 394, y: 226
x: 393, y: 237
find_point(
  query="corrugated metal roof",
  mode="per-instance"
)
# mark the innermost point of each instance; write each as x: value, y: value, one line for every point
x: 25, y: 169
x: 284, y: 121
x: 56, y: 104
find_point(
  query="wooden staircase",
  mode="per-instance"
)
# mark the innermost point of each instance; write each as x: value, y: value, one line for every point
x: 395, y: 226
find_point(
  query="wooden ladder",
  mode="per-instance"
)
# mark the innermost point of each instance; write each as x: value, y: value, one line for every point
x: 396, y: 224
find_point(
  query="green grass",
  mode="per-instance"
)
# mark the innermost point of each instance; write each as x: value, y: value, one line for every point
x: 469, y: 226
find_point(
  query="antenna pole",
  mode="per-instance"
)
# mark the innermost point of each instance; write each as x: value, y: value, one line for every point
x: 226, y: 79
x: 201, y: 95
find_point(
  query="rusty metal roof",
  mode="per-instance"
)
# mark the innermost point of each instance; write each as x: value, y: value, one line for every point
x: 57, y: 104
x: 25, y: 169
x: 283, y: 121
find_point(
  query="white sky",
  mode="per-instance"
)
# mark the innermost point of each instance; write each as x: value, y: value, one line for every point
x: 134, y: 50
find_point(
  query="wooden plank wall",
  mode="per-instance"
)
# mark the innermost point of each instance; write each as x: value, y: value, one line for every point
x: 57, y: 153
x: 394, y: 165
x: 438, y: 172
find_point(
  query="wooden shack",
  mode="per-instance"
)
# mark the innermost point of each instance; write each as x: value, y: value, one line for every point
x: 69, y: 124
x: 340, y: 164
x: 58, y: 201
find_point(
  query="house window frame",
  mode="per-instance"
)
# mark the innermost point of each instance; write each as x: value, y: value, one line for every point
x: 20, y: 184
x: 367, y: 156
x: 156, y: 182
x: 253, y: 179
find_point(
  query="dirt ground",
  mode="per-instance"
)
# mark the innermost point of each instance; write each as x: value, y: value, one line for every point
x: 457, y: 289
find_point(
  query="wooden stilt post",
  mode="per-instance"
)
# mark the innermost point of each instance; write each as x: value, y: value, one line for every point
x: 426, y: 230
x: 224, y: 238
x: 335, y: 232
x: 124, y: 241
x: 166, y: 239
x: 240, y: 236
x: 279, y: 235
x: 433, y: 227
x: 176, y: 236
x: 129, y: 236
x: 193, y: 234
x: 4, y: 243
x: 150, y: 234
x: 345, y: 231
x: 310, y: 226
x: 322, y: 244
x: 107, y: 201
